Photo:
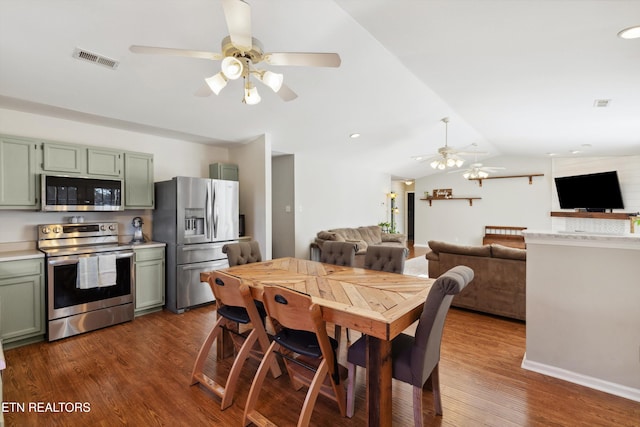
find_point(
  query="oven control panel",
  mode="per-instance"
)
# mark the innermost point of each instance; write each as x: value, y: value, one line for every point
x: 66, y: 231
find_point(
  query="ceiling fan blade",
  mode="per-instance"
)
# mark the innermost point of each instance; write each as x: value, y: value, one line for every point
x: 203, y: 91
x: 306, y: 59
x: 238, y: 16
x: 470, y: 153
x: 175, y: 52
x: 286, y: 94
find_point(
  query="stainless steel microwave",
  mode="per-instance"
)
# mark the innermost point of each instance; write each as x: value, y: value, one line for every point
x: 72, y: 193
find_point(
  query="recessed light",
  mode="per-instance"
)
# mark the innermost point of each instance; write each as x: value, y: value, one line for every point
x: 418, y: 158
x: 601, y: 103
x: 630, y: 33
x: 354, y: 135
x: 551, y: 154
x: 575, y: 151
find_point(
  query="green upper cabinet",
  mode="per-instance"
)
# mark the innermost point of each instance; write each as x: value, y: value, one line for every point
x: 224, y: 171
x: 104, y: 162
x: 66, y: 158
x: 18, y: 173
x: 138, y: 181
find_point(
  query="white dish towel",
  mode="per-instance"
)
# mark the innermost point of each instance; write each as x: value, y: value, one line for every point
x: 87, y: 276
x: 107, y: 270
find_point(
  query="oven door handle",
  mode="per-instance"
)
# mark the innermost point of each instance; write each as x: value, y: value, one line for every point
x: 73, y: 259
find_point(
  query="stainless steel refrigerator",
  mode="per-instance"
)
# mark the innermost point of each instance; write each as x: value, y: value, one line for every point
x: 195, y: 217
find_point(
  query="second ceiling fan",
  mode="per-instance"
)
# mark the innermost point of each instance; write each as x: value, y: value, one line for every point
x: 239, y: 55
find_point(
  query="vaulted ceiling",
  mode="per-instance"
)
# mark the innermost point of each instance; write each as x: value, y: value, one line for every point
x: 515, y: 77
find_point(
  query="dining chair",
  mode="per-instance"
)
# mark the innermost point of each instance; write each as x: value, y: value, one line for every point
x: 385, y: 258
x: 415, y: 358
x: 242, y: 252
x: 338, y: 253
x: 307, y: 350
x: 235, y: 306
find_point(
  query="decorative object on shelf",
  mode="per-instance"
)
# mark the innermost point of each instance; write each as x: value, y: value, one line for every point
x: 635, y: 222
x: 241, y: 52
x: 530, y: 176
x: 442, y: 193
x: 426, y: 194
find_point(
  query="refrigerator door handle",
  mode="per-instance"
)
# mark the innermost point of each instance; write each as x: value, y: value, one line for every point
x: 207, y: 217
x: 215, y: 214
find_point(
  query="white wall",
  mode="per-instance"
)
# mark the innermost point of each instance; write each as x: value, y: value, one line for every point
x: 331, y: 193
x: 508, y: 202
x: 172, y: 157
x: 254, y: 164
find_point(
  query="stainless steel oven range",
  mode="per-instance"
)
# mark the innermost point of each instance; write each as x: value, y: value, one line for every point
x: 90, y: 277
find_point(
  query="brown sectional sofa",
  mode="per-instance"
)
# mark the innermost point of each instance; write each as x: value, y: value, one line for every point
x: 499, y: 280
x: 363, y: 237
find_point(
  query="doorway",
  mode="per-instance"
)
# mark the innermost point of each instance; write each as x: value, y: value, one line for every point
x: 410, y: 214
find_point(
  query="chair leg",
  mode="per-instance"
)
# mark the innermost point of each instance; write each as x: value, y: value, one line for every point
x: 234, y: 373
x: 312, y: 394
x: 351, y: 389
x: 435, y: 387
x: 204, y: 350
x: 417, y: 406
x: 250, y: 414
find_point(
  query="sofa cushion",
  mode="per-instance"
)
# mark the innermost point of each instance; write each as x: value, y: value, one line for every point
x: 371, y: 234
x: 437, y: 247
x: 500, y: 251
x: 361, y: 245
x: 327, y: 235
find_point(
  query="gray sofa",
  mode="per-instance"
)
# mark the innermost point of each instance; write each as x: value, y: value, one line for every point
x: 362, y: 237
x: 499, y: 284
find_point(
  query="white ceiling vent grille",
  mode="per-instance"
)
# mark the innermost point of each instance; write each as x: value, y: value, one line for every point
x: 601, y: 103
x: 85, y: 55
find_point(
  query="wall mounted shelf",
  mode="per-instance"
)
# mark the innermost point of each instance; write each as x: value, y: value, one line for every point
x: 470, y: 199
x: 593, y: 215
x: 530, y: 176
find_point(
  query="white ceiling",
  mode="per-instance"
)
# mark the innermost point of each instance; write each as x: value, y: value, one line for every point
x: 516, y: 77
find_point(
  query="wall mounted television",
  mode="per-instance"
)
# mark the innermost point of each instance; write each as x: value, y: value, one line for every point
x: 594, y: 192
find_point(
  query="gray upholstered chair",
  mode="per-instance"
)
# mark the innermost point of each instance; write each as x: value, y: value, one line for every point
x: 385, y: 258
x: 416, y: 358
x: 242, y: 252
x: 338, y: 253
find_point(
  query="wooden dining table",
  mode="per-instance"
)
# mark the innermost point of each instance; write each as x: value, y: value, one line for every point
x: 378, y: 304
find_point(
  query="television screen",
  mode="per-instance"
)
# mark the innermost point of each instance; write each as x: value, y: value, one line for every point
x: 593, y: 192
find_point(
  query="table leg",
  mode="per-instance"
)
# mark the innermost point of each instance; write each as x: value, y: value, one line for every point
x: 379, y: 375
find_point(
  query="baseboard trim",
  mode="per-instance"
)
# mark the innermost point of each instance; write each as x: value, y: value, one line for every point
x: 587, y: 381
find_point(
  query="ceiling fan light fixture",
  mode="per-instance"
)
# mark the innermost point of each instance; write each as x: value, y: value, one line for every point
x: 273, y: 80
x: 459, y: 162
x: 232, y: 67
x: 466, y: 175
x: 441, y: 165
x: 435, y: 164
x: 482, y: 174
x: 251, y: 95
x: 630, y: 33
x: 451, y: 162
x: 217, y: 82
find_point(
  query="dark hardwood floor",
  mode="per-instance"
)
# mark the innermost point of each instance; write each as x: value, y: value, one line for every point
x: 138, y: 374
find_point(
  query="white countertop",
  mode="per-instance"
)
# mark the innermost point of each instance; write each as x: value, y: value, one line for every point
x: 580, y: 238
x: 20, y: 255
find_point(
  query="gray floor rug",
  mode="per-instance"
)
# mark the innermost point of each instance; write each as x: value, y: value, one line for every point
x: 417, y: 267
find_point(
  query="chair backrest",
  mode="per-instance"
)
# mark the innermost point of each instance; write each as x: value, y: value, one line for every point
x: 425, y: 354
x: 295, y: 310
x: 385, y: 258
x: 230, y: 291
x: 242, y: 252
x: 338, y: 253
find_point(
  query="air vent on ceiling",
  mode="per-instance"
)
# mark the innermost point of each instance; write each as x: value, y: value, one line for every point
x: 601, y: 103
x: 85, y: 55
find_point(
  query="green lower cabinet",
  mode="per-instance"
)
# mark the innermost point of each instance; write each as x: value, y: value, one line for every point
x: 149, y: 280
x: 22, y: 306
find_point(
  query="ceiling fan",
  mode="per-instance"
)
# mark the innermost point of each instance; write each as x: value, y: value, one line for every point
x: 239, y: 55
x: 478, y: 171
x: 447, y: 157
